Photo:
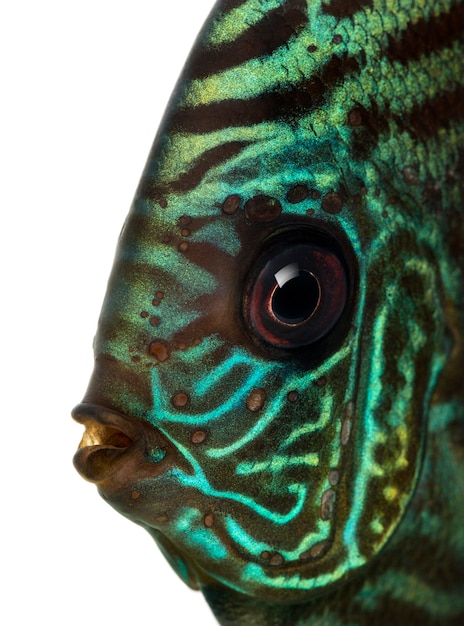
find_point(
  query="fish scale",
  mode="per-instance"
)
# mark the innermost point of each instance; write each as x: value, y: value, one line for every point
x: 277, y: 393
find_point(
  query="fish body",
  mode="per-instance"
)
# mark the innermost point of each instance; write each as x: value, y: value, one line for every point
x: 277, y: 394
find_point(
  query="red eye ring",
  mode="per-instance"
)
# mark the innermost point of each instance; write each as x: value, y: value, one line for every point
x: 297, y: 291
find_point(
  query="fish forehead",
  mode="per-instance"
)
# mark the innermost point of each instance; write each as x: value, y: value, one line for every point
x: 306, y: 464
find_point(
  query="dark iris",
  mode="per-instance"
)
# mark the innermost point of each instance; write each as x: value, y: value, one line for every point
x: 295, y: 300
x: 297, y: 290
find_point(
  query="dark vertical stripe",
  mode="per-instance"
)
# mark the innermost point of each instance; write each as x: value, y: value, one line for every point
x: 260, y: 39
x: 345, y: 8
x: 427, y: 35
x: 269, y: 106
x: 191, y: 179
x: 426, y: 120
x: 208, y: 160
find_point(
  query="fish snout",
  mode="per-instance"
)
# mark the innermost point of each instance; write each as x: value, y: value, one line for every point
x: 114, y: 447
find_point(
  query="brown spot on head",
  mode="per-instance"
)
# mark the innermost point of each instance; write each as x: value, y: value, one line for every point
x: 265, y: 554
x: 319, y: 549
x: 198, y: 437
x: 347, y: 424
x: 231, y: 204
x: 334, y: 477
x: 185, y: 220
x: 328, y: 504
x: 154, y: 321
x: 321, y: 382
x: 255, y: 400
x: 346, y: 430
x: 315, y: 194
x: 349, y: 409
x: 144, y: 314
x: 262, y: 209
x: 159, y: 295
x: 276, y: 559
x: 316, y: 551
x: 208, y: 520
x: 292, y: 396
x: 135, y: 495
x: 158, y: 350
x: 312, y: 48
x: 410, y: 175
x: 166, y: 239
x: 185, y: 232
x: 183, y: 247
x: 180, y: 400
x: 297, y: 194
x: 355, y: 117
x: 332, y: 203
x: 337, y: 39
x: 163, y: 203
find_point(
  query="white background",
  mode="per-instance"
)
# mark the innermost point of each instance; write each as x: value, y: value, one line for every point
x: 83, y: 86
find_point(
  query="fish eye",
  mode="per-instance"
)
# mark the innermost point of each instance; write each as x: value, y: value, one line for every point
x: 297, y: 290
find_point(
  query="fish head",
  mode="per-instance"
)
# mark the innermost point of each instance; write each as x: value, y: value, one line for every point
x: 266, y: 351
x: 246, y: 406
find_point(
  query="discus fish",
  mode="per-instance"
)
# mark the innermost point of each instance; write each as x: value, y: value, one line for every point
x: 278, y: 385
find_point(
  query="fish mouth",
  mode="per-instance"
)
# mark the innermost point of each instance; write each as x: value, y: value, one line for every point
x: 108, y: 437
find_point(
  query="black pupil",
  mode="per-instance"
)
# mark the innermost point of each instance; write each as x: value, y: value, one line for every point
x: 297, y: 299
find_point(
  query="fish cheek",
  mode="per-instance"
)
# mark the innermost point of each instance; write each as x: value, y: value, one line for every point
x: 262, y: 494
